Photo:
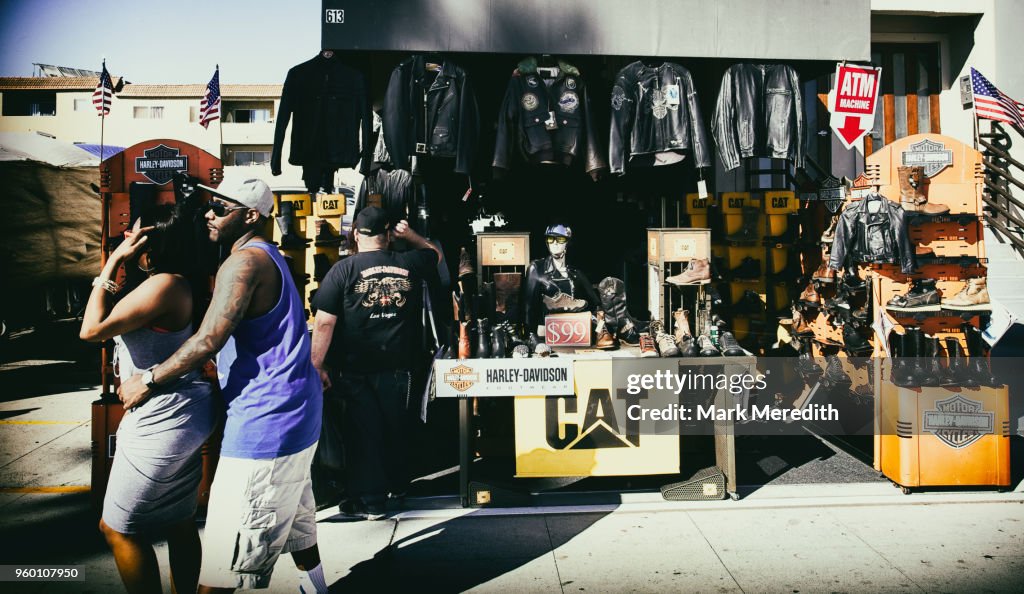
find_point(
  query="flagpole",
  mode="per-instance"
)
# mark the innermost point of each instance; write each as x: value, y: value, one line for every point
x: 103, y: 111
x: 220, y: 120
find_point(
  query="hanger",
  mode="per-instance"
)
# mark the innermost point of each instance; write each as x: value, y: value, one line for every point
x: 327, y: 54
x: 433, y: 61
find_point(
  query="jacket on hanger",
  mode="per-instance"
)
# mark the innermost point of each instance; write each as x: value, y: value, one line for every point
x: 430, y: 112
x: 545, y: 118
x: 759, y: 113
x: 395, y: 191
x: 327, y: 102
x: 656, y: 110
x: 874, y: 231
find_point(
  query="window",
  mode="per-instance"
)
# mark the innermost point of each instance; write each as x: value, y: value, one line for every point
x: 84, y: 105
x: 141, y: 112
x: 250, y: 116
x: 249, y: 157
x: 908, y: 92
x: 240, y: 111
x: 30, y: 103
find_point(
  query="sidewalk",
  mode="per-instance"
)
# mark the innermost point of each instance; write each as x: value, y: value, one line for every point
x: 786, y: 538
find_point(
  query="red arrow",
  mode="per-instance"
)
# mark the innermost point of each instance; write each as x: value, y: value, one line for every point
x: 851, y: 129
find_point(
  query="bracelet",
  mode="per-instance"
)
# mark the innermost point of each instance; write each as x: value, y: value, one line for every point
x: 108, y: 285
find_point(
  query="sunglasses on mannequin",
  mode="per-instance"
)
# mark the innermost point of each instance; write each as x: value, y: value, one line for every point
x: 220, y: 209
x: 558, y: 240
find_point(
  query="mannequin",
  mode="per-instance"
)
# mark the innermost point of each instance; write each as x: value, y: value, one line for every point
x: 552, y: 286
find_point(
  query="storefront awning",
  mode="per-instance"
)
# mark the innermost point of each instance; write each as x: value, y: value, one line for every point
x: 760, y: 29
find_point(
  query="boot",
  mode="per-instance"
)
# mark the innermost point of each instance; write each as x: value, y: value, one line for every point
x: 748, y: 232
x: 959, y: 371
x: 648, y: 348
x: 681, y: 325
x: 805, y: 363
x: 706, y: 347
x: 730, y: 347
x: 499, y: 343
x: 931, y: 362
x: 835, y: 375
x: 465, y: 264
x: 506, y: 293
x: 749, y: 269
x: 912, y: 197
x: 830, y: 233
x: 665, y: 343
x: 824, y: 274
x: 325, y: 235
x: 603, y: 339
x: 697, y: 272
x: 856, y: 345
x: 810, y: 296
x: 852, y: 282
x: 913, y: 344
x: 452, y: 350
x: 465, y: 349
x: 900, y: 375
x: 483, y: 336
x: 922, y: 296
x: 798, y: 326
x: 613, y: 301
x: 974, y: 296
x: 979, y: 365
x: 533, y: 341
x: 286, y: 223
x: 321, y: 265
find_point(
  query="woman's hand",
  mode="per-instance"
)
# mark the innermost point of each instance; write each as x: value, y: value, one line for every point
x: 134, y: 244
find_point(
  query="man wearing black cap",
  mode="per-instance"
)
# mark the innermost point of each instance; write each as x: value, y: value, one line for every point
x: 369, y: 306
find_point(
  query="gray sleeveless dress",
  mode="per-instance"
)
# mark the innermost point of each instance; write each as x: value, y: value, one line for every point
x: 157, y: 466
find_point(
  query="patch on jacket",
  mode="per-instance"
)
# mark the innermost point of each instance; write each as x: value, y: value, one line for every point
x: 569, y: 102
x: 530, y: 101
x: 618, y: 96
x: 570, y: 82
x: 658, y: 104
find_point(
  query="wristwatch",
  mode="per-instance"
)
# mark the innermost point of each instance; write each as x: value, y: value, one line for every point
x: 147, y: 378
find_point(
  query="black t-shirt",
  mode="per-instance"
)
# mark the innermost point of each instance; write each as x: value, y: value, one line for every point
x: 378, y: 298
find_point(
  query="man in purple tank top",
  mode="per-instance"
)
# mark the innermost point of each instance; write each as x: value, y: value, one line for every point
x: 261, y: 501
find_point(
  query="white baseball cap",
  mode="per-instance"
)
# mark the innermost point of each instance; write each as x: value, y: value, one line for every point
x: 246, y: 190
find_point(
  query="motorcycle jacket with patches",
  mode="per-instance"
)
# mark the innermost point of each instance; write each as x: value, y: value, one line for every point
x: 543, y: 278
x: 759, y: 113
x: 873, y: 231
x: 656, y: 110
x: 430, y: 111
x: 545, y: 118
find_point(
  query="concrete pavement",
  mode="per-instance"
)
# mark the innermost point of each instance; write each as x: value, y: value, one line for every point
x: 860, y: 537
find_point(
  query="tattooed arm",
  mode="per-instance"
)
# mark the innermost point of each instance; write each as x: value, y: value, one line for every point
x: 237, y: 279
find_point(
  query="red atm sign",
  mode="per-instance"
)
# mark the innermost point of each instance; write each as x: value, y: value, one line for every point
x: 856, y: 90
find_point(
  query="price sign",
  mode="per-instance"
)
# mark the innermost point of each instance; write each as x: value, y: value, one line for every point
x: 567, y: 329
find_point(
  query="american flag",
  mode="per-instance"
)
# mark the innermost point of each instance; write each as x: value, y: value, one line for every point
x: 993, y: 104
x: 209, y: 106
x: 104, y: 92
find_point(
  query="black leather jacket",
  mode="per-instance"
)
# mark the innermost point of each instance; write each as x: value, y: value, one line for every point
x: 547, y: 120
x: 542, y: 278
x: 866, y: 235
x: 435, y: 110
x: 646, y: 119
x: 328, y: 103
x: 759, y: 113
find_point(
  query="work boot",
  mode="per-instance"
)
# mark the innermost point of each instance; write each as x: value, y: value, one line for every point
x: 974, y: 296
x: 913, y: 342
x: 830, y: 233
x: 900, y: 374
x: 499, y: 343
x: 648, y: 348
x: 563, y: 302
x: 748, y: 232
x: 922, y: 296
x: 959, y: 370
x: 930, y: 357
x: 321, y: 265
x: 325, y: 235
x: 749, y: 269
x: 979, y: 365
x: 912, y: 197
x: 483, y: 342
x: 852, y: 282
x: 798, y: 326
x: 603, y: 339
x: 707, y: 348
x: 835, y: 375
x: 697, y: 272
x: 749, y: 303
x: 465, y: 263
x: 824, y: 274
x: 856, y: 345
x: 810, y: 296
x: 681, y: 324
x: 286, y: 223
x: 465, y: 349
x: 666, y: 345
x: 730, y: 346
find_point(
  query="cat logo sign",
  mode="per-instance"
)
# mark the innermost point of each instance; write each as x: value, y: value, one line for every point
x: 461, y: 378
x: 588, y: 433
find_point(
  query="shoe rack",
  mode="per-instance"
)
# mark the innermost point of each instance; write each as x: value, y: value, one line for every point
x: 669, y: 252
x: 316, y: 220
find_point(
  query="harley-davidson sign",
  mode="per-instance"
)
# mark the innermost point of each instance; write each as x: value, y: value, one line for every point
x: 160, y: 163
x: 959, y: 421
x: 461, y: 378
x: 929, y: 154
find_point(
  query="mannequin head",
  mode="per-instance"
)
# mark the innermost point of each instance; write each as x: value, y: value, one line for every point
x: 557, y: 239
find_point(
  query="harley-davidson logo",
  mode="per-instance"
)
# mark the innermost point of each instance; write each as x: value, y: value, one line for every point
x: 161, y: 163
x: 959, y: 421
x: 929, y: 154
x: 461, y: 378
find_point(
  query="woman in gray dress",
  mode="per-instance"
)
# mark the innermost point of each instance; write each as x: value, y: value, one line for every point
x: 157, y: 468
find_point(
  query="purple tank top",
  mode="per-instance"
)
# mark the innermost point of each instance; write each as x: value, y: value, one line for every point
x: 272, y: 391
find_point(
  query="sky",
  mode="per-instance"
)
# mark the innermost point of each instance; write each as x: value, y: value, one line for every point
x: 179, y: 41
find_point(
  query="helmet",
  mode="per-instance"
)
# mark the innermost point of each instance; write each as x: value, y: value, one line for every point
x: 558, y: 231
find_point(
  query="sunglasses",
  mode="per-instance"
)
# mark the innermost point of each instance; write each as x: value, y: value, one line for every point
x: 220, y: 209
x: 558, y: 240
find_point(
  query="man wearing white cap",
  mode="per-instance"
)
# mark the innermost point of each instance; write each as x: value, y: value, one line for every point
x: 261, y: 501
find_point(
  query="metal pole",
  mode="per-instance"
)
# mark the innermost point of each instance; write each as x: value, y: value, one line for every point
x: 220, y: 120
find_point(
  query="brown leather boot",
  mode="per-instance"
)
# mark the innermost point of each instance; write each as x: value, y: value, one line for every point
x: 506, y: 293
x: 912, y: 196
x: 810, y: 296
x: 465, y: 263
x: 465, y: 350
x: 603, y: 339
x: 824, y: 274
x: 681, y: 326
x: 697, y: 272
x: 974, y: 296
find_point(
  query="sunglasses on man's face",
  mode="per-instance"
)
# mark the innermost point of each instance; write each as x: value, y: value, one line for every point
x: 220, y: 209
x: 558, y: 240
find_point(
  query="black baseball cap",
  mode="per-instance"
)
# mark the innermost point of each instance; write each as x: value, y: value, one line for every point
x: 372, y: 220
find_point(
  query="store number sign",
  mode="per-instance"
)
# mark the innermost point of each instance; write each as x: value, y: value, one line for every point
x: 567, y: 329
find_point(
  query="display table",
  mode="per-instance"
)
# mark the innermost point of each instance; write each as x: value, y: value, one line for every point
x: 571, y: 417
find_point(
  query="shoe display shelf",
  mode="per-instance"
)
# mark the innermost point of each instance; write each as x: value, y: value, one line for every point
x: 671, y: 252
x: 501, y: 252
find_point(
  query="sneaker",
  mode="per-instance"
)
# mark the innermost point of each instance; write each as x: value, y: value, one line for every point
x: 666, y: 344
x: 357, y: 508
x: 564, y: 302
x: 697, y: 272
x: 922, y: 296
x: 730, y: 346
x: 707, y: 348
x: 973, y: 296
x: 648, y: 348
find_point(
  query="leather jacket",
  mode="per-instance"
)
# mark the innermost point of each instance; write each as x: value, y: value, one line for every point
x: 656, y: 110
x: 542, y: 278
x: 759, y: 113
x: 433, y: 111
x: 547, y: 120
x: 864, y: 236
x: 328, y: 103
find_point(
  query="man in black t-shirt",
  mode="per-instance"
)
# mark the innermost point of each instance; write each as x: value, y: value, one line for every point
x: 370, y: 307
